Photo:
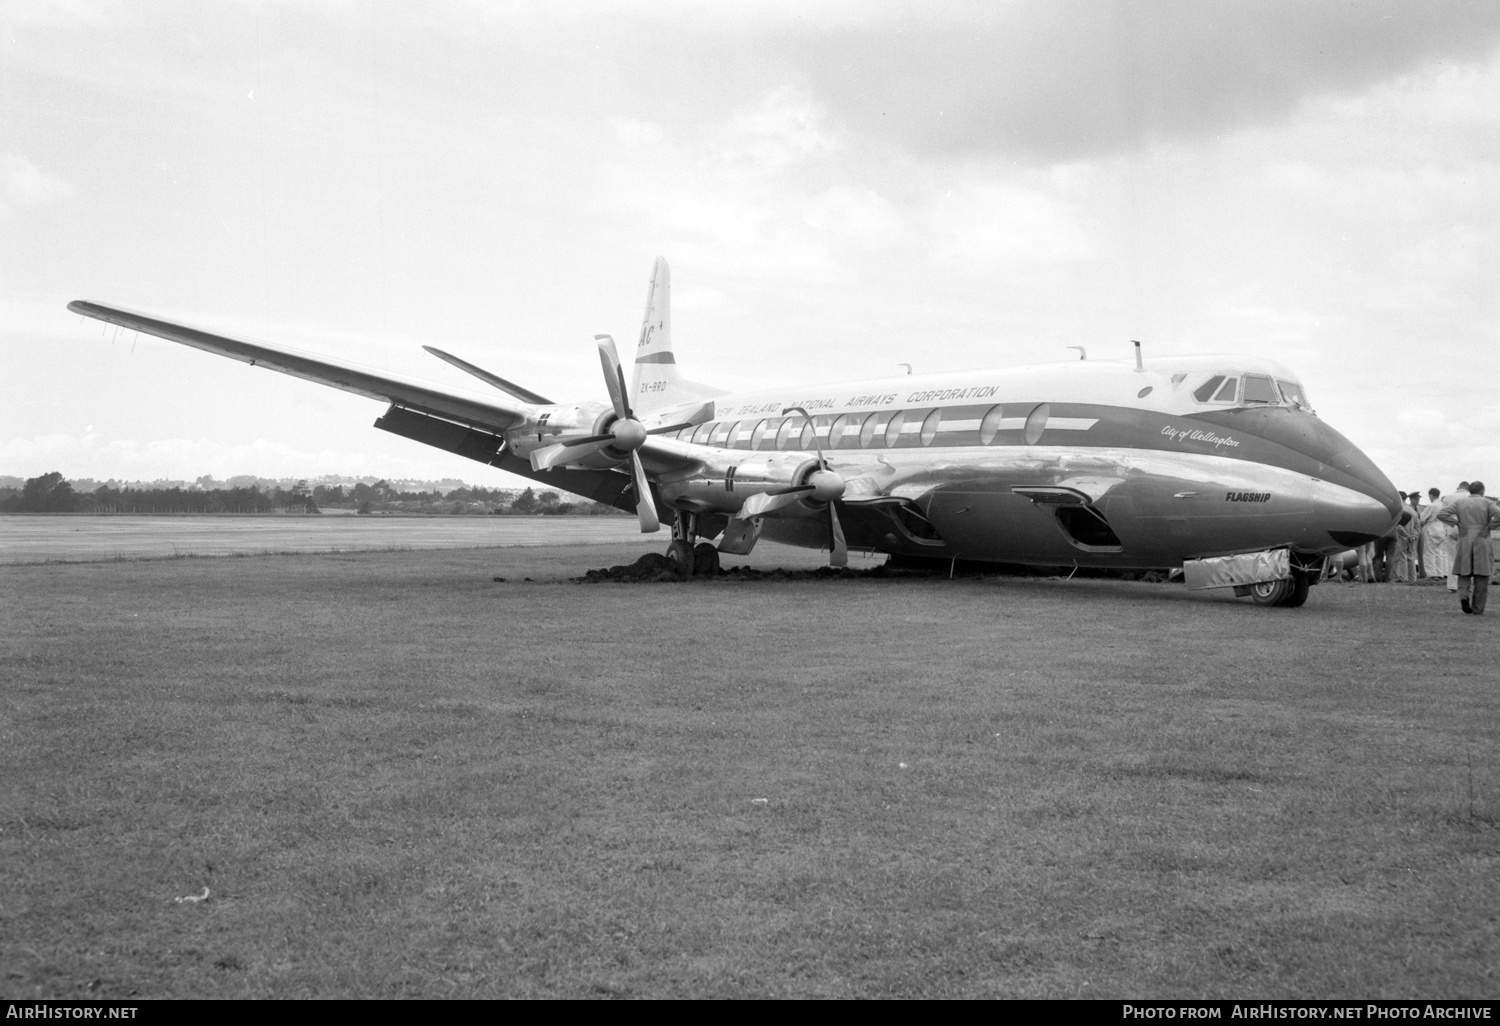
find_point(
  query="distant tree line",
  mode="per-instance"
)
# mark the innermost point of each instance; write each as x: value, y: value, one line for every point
x: 50, y: 493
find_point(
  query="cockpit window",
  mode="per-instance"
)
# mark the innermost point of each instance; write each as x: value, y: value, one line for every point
x: 1292, y: 393
x: 1260, y: 390
x: 1226, y: 391
x: 1204, y: 392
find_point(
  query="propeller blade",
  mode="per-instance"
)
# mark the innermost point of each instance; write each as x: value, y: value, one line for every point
x: 584, y: 439
x: 644, y: 507
x: 822, y: 460
x: 614, y: 375
x: 549, y: 456
x: 838, y: 548
x: 765, y: 502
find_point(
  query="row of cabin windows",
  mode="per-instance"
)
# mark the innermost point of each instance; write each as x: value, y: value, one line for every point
x: 1250, y: 388
x: 883, y: 429
x: 887, y: 429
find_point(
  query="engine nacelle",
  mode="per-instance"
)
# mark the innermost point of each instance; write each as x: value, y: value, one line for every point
x: 726, y: 478
x: 546, y: 424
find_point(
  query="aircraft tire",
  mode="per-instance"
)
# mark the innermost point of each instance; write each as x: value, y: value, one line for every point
x: 706, y: 560
x: 1271, y: 593
x: 681, y: 555
x: 1297, y: 594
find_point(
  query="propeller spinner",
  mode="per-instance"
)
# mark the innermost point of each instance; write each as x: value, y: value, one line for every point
x: 625, y: 436
x: 823, y: 485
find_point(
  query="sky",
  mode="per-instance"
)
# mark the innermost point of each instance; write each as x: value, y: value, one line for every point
x: 838, y: 188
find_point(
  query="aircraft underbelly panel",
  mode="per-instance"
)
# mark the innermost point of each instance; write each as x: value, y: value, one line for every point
x: 1147, y: 508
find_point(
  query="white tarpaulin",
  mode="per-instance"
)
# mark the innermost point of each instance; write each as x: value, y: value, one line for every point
x: 1246, y: 568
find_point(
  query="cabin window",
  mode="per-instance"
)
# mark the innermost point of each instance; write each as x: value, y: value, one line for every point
x: 836, y: 432
x: 868, y: 429
x: 772, y: 430
x: 930, y: 426
x: 1204, y: 392
x: 701, y: 434
x: 1036, y: 423
x: 814, y: 433
x: 893, y: 429
x: 720, y: 433
x: 787, y: 432
x: 1226, y: 392
x: 809, y: 434
x: 1292, y: 393
x: 758, y: 436
x: 989, y: 427
x: 1259, y: 390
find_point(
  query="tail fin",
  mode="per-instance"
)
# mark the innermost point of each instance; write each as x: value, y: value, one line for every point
x: 656, y: 384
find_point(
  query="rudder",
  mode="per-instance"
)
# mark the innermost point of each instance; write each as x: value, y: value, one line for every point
x: 656, y: 383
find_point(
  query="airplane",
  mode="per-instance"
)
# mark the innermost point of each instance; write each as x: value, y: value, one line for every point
x: 1216, y: 465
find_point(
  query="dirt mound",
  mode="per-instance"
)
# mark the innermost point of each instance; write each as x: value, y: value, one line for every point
x: 652, y: 568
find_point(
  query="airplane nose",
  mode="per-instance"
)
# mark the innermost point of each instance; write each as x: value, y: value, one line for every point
x: 1351, y: 517
x: 1354, y: 501
x: 1382, y: 503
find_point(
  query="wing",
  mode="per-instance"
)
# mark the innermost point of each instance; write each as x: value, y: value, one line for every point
x: 493, y: 417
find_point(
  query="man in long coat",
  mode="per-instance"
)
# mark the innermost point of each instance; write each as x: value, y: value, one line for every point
x: 1437, y: 547
x: 1474, y: 516
x: 1463, y: 490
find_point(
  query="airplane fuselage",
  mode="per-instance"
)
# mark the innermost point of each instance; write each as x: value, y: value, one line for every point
x: 1088, y: 463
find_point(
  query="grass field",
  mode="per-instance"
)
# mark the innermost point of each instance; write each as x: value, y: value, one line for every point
x: 30, y: 538
x: 397, y: 777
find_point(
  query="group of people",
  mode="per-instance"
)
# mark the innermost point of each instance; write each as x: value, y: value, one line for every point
x: 1449, y: 538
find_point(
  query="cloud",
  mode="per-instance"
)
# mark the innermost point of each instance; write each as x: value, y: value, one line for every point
x: 1073, y: 78
x: 25, y: 184
x: 66, y: 13
x: 753, y: 186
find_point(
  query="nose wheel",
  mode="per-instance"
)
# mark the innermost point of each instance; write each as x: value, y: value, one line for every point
x: 1290, y: 594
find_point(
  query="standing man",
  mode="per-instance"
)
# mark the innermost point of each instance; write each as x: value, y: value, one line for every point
x: 1448, y: 500
x: 1419, y: 568
x: 1403, y: 564
x: 1474, y: 516
x: 1437, y: 554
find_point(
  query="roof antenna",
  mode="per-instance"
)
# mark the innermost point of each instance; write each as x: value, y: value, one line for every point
x: 1138, y: 364
x: 906, y: 365
x: 1083, y: 354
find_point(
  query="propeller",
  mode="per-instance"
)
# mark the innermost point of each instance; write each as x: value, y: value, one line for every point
x: 822, y: 485
x: 626, y: 435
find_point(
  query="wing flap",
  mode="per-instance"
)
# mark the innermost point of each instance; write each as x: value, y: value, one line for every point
x: 493, y: 416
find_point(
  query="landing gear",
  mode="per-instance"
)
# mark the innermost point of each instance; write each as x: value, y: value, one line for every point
x: 680, y: 552
x: 690, y: 556
x: 705, y: 560
x: 1290, y: 593
x: 1300, y: 582
x: 1270, y: 593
